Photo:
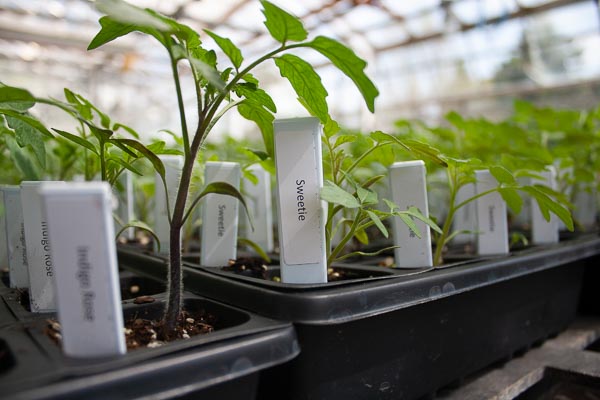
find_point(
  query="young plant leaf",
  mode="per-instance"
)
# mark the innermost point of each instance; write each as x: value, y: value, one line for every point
x: 230, y: 49
x: 282, y: 25
x: 128, y: 14
x: 254, y: 246
x: 502, y: 175
x: 361, y: 236
x: 416, y: 213
x: 263, y: 119
x: 408, y: 221
x: 350, y: 64
x: 366, y: 254
x: 512, y: 199
x: 16, y: 99
x: 377, y: 221
x: 23, y: 161
x: 223, y: 188
x: 109, y: 31
x: 26, y: 120
x: 131, y: 131
x: 334, y: 194
x: 78, y: 140
x: 306, y: 83
x: 28, y: 135
x: 140, y: 225
x: 208, y: 72
x: 340, y: 140
x: 153, y: 158
x: 256, y: 95
x: 125, y: 164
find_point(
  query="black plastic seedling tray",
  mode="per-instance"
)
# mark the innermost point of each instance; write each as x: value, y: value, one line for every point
x: 405, y: 336
x: 223, y: 364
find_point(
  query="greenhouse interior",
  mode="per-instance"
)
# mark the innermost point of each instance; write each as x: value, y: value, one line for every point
x: 310, y: 199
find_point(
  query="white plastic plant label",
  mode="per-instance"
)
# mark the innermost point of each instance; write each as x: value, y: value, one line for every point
x: 81, y: 231
x: 3, y: 246
x: 492, y: 221
x: 409, y: 189
x: 173, y: 167
x: 219, y: 216
x: 15, y: 238
x: 542, y: 231
x: 301, y: 211
x: 260, y: 207
x: 41, y: 270
x: 465, y: 218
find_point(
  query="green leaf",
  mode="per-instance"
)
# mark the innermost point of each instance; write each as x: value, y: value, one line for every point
x: 350, y: 64
x: 366, y: 197
x: 153, y: 158
x: 223, y: 188
x: 263, y: 119
x: 23, y: 161
x: 208, y: 72
x: 140, y: 225
x: 371, y: 181
x: 130, y: 130
x: 255, y: 95
x: 416, y: 213
x: 78, y: 140
x: 366, y: 254
x: 361, y: 236
x: 28, y: 135
x: 262, y: 156
x: 230, y: 49
x: 123, y: 147
x: 340, y: 140
x: 408, y: 221
x: 377, y: 221
x: 334, y: 194
x: 548, y: 205
x: 124, y: 164
x: 502, y: 175
x: 109, y: 31
x: 15, y: 98
x: 282, y: 25
x: 512, y: 199
x: 254, y: 246
x: 83, y: 108
x: 306, y: 83
x: 27, y: 120
x: 128, y: 14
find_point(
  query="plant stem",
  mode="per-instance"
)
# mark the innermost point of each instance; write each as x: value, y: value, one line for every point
x: 184, y: 131
x: 102, y: 161
x: 175, y: 284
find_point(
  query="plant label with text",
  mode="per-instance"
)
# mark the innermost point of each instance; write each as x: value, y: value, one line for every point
x: 301, y: 211
x: 15, y: 238
x: 81, y: 231
x: 408, y: 187
x: 220, y: 216
x: 492, y: 219
x: 260, y: 207
x: 41, y: 271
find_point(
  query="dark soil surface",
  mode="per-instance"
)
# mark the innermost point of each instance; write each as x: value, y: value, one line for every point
x: 141, y: 332
x: 256, y: 267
